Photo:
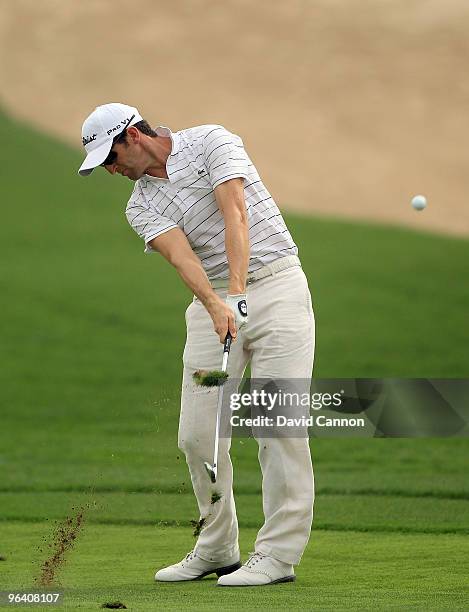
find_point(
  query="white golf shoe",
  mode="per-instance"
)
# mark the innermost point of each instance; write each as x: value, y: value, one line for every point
x: 259, y: 570
x: 192, y: 567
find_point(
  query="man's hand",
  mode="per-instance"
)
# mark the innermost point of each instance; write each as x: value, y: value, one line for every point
x: 222, y: 316
x: 238, y: 303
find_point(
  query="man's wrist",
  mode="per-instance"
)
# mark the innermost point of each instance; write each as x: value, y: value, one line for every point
x: 236, y: 288
x: 237, y: 283
x: 211, y: 301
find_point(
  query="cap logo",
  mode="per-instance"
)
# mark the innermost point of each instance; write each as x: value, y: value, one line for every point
x: 120, y: 126
x: 87, y: 139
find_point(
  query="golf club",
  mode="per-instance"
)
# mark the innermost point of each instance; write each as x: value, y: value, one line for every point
x: 212, y: 469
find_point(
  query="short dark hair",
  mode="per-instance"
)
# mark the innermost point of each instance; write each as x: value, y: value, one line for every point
x: 142, y: 126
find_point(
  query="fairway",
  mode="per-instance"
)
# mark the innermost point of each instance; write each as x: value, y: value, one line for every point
x: 92, y: 338
x: 352, y: 570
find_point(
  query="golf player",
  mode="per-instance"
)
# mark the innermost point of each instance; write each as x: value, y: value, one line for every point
x: 198, y: 200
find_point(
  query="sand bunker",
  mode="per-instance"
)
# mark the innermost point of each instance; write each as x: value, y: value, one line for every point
x: 347, y: 108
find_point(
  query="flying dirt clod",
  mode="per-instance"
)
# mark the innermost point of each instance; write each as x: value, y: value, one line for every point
x: 63, y: 540
x: 216, y: 496
x: 210, y: 378
x: 198, y: 526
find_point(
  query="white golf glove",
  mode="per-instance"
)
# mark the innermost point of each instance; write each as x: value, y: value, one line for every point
x: 238, y: 304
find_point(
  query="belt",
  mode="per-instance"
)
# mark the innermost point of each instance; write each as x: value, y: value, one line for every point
x: 283, y: 263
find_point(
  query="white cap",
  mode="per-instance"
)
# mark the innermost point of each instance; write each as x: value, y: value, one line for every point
x: 99, y: 130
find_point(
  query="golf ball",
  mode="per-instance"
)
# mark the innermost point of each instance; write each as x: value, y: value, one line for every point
x: 419, y: 202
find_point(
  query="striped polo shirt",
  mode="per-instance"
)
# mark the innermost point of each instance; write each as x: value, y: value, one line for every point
x: 201, y: 158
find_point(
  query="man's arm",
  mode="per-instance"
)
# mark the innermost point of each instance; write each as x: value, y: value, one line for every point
x: 175, y: 247
x: 230, y: 200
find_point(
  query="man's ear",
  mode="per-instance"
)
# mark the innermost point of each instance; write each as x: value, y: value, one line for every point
x: 134, y: 134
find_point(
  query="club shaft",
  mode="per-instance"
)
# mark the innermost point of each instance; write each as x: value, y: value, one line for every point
x: 224, y: 366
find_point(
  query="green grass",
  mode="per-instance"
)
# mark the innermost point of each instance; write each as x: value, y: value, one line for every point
x: 355, y: 571
x: 376, y: 513
x: 92, y: 337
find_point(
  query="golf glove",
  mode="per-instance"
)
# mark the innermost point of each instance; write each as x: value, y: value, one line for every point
x: 239, y: 306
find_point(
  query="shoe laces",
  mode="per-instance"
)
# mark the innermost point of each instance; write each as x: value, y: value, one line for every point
x: 191, y: 555
x: 254, y: 558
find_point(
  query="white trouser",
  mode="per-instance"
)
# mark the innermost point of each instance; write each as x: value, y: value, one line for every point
x: 279, y: 341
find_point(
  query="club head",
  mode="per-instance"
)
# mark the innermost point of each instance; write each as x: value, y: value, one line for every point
x: 211, y: 471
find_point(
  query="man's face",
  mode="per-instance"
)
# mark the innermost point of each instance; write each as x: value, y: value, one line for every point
x: 130, y: 159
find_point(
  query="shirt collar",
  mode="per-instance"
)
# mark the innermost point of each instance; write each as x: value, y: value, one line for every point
x: 166, y: 133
